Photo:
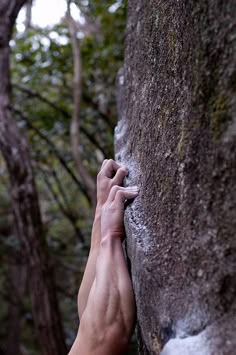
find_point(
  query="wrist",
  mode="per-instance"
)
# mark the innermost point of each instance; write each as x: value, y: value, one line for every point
x: 96, y: 231
x: 111, y: 232
x: 106, y: 339
x: 98, y: 210
x: 110, y: 239
x: 97, y: 216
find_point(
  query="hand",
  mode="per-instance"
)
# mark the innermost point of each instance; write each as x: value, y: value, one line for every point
x: 112, y: 219
x: 111, y: 174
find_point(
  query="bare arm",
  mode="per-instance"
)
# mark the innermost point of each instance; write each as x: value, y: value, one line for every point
x: 107, y: 322
x: 111, y: 174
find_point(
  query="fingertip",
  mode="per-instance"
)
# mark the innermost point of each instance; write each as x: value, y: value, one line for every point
x: 124, y: 167
x: 136, y: 193
x: 119, y: 176
x: 125, y: 170
x: 132, y: 193
x: 133, y: 188
x: 104, y: 163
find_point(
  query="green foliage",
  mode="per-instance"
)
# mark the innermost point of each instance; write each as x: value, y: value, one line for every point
x: 42, y: 80
x: 219, y: 116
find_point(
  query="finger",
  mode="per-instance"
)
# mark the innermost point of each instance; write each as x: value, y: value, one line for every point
x: 126, y: 194
x: 103, y: 163
x: 110, y: 167
x: 113, y: 192
x: 119, y: 177
x: 115, y: 188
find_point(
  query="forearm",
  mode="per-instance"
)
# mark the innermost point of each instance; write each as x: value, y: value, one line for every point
x: 90, y: 270
x: 106, y: 300
x: 110, y: 308
x: 91, y: 342
x: 107, y: 322
x: 114, y: 283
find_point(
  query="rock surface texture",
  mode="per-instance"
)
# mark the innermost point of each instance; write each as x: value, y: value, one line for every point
x: 177, y: 135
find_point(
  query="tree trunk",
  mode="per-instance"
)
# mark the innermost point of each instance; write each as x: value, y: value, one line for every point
x: 28, y: 14
x: 16, y: 290
x: 177, y: 136
x: 82, y: 171
x: 28, y: 224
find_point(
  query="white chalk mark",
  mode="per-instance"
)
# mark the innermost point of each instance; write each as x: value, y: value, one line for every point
x: 194, y: 345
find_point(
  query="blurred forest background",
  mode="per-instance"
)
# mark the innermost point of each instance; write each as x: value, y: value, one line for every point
x: 53, y: 67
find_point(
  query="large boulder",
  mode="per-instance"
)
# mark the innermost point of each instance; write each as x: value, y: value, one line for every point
x: 177, y: 135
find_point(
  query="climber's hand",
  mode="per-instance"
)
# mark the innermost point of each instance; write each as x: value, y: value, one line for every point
x: 111, y: 174
x: 112, y: 220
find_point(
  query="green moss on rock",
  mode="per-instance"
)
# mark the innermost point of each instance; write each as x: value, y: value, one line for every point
x: 219, y: 116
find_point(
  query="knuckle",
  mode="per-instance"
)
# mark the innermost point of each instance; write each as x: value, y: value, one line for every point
x: 108, y: 207
x: 99, y: 176
x: 105, y: 207
x: 104, y: 162
x: 120, y: 170
x: 115, y: 188
x: 111, y: 207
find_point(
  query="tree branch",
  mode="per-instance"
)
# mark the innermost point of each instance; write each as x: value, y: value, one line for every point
x: 95, y: 106
x: 54, y: 151
x: 25, y: 204
x: 65, y: 211
x: 65, y: 113
x: 75, y: 122
x: 32, y: 93
x: 28, y: 16
x: 60, y: 188
x: 18, y: 4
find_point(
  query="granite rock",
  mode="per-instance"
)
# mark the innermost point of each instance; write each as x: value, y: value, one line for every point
x: 177, y: 135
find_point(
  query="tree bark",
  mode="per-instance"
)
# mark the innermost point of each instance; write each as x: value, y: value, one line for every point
x: 177, y: 136
x: 15, y: 288
x: 75, y: 122
x: 16, y: 291
x: 28, y: 14
x: 28, y: 223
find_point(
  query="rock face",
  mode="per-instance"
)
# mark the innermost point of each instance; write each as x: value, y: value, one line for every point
x: 177, y: 135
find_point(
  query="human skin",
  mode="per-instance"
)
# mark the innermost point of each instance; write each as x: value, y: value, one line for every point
x: 109, y: 311
x: 111, y: 174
